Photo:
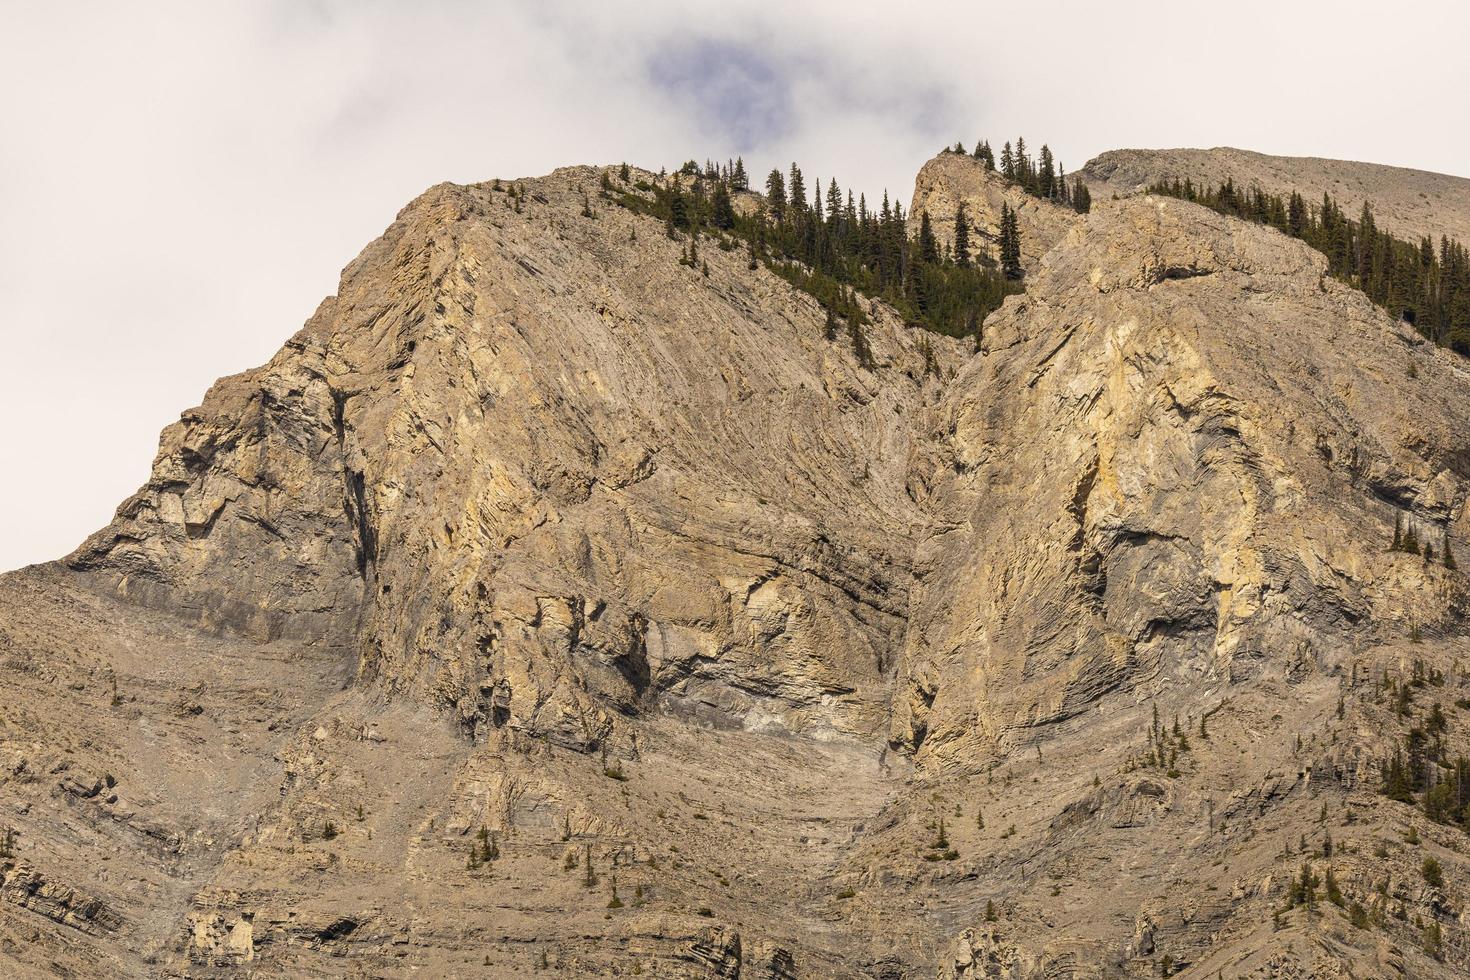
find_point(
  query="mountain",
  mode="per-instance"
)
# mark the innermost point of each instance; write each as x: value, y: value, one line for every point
x: 561, y: 600
x: 1407, y: 203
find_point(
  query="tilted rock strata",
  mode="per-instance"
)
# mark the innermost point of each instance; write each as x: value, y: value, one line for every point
x: 1180, y: 520
x: 747, y: 660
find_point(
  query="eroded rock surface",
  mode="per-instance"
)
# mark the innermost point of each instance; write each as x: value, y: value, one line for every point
x: 545, y: 605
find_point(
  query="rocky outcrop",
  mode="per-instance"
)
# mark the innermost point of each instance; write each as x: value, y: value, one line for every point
x: 985, y: 953
x: 27, y: 888
x: 954, y: 178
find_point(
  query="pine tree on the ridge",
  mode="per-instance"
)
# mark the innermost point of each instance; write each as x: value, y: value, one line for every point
x: 1007, y: 162
x: 776, y: 195
x: 985, y: 155
x: 1046, y: 174
x: 738, y: 180
x: 796, y: 189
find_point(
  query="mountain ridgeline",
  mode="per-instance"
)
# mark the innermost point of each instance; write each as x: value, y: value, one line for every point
x: 835, y: 248
x: 632, y: 573
x: 1426, y: 283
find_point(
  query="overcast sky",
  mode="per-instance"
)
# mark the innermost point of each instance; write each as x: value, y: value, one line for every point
x: 181, y: 182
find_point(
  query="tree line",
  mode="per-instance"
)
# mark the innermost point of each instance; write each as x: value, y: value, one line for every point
x: 1043, y: 177
x: 1426, y: 286
x: 830, y: 243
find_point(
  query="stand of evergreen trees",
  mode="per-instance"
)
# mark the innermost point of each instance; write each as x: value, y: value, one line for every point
x: 1428, y: 287
x: 1421, y: 772
x: 1043, y: 177
x: 829, y: 244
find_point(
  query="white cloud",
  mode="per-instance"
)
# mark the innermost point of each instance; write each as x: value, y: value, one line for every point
x: 180, y: 182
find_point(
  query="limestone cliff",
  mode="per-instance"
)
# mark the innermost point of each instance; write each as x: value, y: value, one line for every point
x: 550, y: 604
x: 542, y: 476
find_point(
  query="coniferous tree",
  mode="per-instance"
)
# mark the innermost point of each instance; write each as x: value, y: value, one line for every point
x: 928, y: 245
x: 961, y: 238
x: 738, y: 180
x: 1296, y: 216
x: 1334, y: 893
x: 986, y: 155
x: 1010, y: 243
x: 724, y: 213
x: 1046, y: 174
x: 1304, y: 889
x: 776, y: 195
x: 1081, y: 197
x: 834, y: 201
x: 796, y: 190
x: 678, y: 210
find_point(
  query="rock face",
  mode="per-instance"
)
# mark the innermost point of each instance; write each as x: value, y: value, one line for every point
x: 546, y: 604
x: 954, y: 178
x: 1409, y: 203
x: 1180, y: 522
x: 542, y: 480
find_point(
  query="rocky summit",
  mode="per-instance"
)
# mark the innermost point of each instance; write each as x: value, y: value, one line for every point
x: 576, y: 595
